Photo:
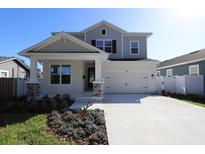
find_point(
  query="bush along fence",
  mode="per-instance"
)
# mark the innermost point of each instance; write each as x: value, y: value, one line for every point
x: 186, y: 84
x: 44, y: 105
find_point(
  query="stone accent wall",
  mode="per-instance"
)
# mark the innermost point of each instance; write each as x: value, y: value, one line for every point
x: 33, y: 89
x: 98, y: 89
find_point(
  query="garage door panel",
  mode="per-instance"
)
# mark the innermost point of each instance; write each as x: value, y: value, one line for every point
x: 125, y: 83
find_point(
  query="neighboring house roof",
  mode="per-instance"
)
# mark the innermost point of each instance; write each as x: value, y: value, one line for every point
x: 59, y: 36
x: 105, y: 23
x: 195, y: 56
x: 4, y: 59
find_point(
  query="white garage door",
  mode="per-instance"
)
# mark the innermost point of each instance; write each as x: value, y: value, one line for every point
x: 125, y: 83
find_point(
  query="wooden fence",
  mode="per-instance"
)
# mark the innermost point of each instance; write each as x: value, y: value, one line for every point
x: 8, y: 87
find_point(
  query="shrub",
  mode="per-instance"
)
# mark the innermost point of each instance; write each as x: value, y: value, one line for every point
x: 99, y: 120
x: 68, y: 116
x: 78, y: 133
x: 99, y: 138
x: 90, y: 128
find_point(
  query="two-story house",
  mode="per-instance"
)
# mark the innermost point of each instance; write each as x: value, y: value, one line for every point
x: 103, y: 58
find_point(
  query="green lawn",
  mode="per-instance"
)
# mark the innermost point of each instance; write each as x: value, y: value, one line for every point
x: 189, y: 98
x: 25, y: 128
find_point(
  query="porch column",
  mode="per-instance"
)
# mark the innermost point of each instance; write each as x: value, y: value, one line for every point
x: 98, y: 83
x: 33, y: 70
x: 33, y: 85
x: 98, y: 70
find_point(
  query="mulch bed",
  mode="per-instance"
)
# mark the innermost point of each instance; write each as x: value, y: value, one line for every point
x: 84, y: 127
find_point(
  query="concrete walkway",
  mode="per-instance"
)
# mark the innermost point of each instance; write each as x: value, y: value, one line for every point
x: 153, y: 120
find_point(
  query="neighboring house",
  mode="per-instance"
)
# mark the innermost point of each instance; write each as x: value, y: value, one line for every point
x: 188, y: 64
x: 11, y: 67
x: 102, y: 57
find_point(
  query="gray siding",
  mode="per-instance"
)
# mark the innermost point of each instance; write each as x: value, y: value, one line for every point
x: 184, y: 69
x: 122, y: 42
x: 111, y: 34
x: 142, y: 47
x: 18, y: 71
x: 78, y: 35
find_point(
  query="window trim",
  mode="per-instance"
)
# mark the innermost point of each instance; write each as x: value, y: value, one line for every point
x: 131, y: 47
x: 197, y: 66
x: 4, y: 71
x: 168, y: 71
x: 105, y: 31
x: 104, y: 44
x: 60, y: 75
x: 159, y: 74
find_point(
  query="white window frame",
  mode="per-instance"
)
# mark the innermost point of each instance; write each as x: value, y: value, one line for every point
x: 169, y: 70
x: 134, y: 47
x: 4, y: 71
x: 197, y: 67
x: 60, y: 75
x: 158, y: 72
x: 105, y: 31
x: 104, y: 44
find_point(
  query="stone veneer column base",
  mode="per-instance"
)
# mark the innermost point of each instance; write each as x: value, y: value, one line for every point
x: 33, y: 89
x: 98, y: 88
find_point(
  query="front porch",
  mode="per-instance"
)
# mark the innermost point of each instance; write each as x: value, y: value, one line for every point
x: 81, y: 78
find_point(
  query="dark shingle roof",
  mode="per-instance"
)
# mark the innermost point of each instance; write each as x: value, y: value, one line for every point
x: 196, y: 55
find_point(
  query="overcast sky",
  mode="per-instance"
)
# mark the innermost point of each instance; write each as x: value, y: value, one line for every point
x: 175, y: 31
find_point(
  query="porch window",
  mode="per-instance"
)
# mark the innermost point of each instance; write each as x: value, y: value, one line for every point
x: 60, y: 74
x: 65, y: 74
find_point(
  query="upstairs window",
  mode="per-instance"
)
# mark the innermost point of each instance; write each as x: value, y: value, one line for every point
x: 134, y: 47
x: 194, y: 70
x: 103, y: 32
x: 105, y: 45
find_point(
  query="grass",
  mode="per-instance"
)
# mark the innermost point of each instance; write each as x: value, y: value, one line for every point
x: 25, y: 128
x: 189, y: 98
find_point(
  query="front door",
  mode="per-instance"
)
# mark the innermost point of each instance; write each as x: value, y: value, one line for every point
x: 91, y: 77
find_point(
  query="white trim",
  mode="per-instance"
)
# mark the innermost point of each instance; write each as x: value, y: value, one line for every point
x: 4, y: 71
x: 137, y: 34
x: 122, y: 46
x: 105, y: 31
x: 159, y: 74
x: 170, y: 73
x: 7, y: 60
x: 131, y: 47
x: 197, y: 67
x: 103, y: 22
x: 60, y: 64
x: 178, y: 64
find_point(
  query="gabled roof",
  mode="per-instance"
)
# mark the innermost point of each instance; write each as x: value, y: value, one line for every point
x: 195, y: 56
x: 105, y: 23
x: 16, y: 60
x: 59, y: 36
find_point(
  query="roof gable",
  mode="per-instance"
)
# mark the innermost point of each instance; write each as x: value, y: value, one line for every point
x: 63, y: 38
x: 103, y: 22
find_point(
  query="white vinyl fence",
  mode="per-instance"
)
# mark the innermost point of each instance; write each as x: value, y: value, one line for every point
x: 186, y: 84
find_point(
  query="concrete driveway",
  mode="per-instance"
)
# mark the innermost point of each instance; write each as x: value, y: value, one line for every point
x: 143, y: 119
